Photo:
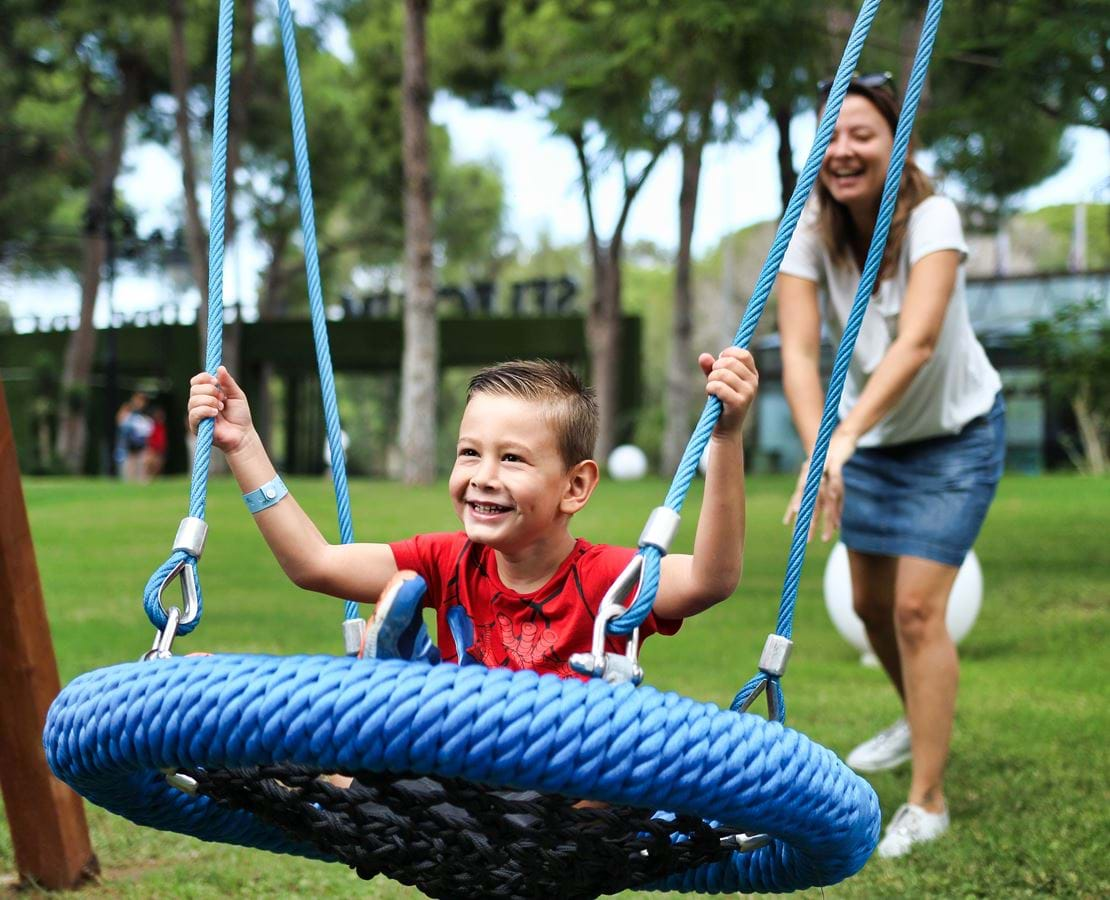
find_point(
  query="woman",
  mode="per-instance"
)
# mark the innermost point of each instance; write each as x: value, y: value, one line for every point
x: 915, y: 460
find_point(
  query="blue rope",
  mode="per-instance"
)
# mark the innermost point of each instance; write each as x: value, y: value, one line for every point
x: 214, y: 350
x: 315, y: 291
x: 870, y: 273
x: 640, y: 608
x: 198, y: 489
x: 110, y: 732
x: 688, y: 465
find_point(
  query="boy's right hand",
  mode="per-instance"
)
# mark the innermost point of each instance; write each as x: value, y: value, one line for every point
x: 220, y: 398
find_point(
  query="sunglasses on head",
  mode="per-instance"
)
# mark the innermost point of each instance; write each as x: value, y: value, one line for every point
x: 872, y: 80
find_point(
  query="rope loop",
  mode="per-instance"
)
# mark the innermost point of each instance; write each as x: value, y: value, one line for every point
x: 183, y: 566
x: 771, y: 685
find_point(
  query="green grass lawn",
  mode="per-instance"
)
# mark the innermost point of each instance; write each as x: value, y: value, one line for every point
x: 1028, y: 782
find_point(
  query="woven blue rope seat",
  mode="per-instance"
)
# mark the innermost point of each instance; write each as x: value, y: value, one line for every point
x: 112, y: 733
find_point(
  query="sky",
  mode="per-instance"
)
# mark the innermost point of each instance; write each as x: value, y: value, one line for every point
x: 739, y: 187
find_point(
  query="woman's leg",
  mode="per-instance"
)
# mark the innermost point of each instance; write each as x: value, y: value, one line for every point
x: 873, y: 580
x: 930, y: 671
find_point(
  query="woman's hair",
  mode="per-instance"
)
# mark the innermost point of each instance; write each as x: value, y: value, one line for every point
x: 835, y: 224
x: 560, y: 393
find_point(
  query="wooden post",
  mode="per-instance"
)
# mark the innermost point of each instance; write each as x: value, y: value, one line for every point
x: 46, y: 818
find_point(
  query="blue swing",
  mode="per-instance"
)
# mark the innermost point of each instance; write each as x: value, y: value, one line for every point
x: 149, y: 740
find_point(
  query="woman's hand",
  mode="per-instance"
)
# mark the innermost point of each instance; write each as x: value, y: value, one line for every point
x: 830, y: 503
x: 220, y: 398
x: 830, y: 495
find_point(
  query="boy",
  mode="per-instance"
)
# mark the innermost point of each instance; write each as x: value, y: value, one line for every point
x: 529, y: 589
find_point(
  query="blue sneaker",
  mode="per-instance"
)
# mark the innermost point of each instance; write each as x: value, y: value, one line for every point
x: 397, y: 630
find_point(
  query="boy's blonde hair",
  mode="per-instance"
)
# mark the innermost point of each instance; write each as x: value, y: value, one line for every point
x: 570, y: 405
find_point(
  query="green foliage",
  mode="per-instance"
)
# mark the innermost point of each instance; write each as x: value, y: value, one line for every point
x: 1029, y: 749
x: 469, y: 209
x: 1050, y: 235
x: 1011, y: 76
x: 1073, y: 351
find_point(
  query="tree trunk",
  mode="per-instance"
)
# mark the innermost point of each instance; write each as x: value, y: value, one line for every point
x: 603, y: 320
x: 603, y: 335
x: 196, y: 237
x: 1092, y: 434
x: 788, y: 178
x: 242, y: 88
x: 679, y: 384
x: 273, y: 301
x: 81, y: 348
x: 908, y: 38
x: 420, y: 359
x: 237, y: 131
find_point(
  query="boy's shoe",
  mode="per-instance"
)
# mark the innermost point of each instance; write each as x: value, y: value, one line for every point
x: 911, y: 825
x: 397, y: 629
x: 889, y: 748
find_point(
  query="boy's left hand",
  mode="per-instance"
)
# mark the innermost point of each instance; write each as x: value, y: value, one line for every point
x: 733, y: 380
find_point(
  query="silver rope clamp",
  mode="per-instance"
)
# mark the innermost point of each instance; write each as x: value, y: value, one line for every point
x: 353, y: 631
x: 660, y: 529
x: 772, y: 663
x: 775, y: 655
x: 615, y: 668
x: 191, y: 535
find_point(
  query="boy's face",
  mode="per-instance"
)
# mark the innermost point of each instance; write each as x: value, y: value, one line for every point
x: 509, y: 482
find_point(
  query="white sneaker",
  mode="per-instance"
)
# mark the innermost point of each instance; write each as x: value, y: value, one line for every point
x: 911, y: 825
x: 889, y: 748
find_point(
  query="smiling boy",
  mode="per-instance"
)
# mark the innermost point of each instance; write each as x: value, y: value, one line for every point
x: 529, y: 589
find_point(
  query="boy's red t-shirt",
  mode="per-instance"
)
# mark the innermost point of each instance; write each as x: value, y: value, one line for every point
x: 539, y: 630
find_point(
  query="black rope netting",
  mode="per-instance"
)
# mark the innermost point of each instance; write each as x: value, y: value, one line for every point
x: 453, y: 838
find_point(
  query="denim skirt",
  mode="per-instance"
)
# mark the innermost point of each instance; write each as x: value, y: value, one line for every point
x: 925, y: 498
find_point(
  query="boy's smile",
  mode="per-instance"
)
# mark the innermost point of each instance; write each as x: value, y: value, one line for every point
x: 509, y: 478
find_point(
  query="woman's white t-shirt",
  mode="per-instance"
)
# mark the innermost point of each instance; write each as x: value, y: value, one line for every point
x: 958, y: 383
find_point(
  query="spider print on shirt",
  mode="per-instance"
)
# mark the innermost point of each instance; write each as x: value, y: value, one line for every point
x: 532, y: 647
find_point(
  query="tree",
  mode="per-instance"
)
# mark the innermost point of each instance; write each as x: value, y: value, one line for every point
x: 1001, y: 62
x: 420, y: 359
x: 37, y: 171
x: 593, y: 69
x: 96, y: 51
x: 709, y: 52
x: 1073, y: 350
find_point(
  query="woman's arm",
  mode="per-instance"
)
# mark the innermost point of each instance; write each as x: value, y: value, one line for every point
x: 932, y: 279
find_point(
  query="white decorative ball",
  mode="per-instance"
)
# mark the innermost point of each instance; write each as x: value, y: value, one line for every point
x: 963, y: 602
x: 627, y: 463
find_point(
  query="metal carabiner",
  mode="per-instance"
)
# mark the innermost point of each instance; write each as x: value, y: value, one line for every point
x: 163, y: 639
x: 189, y: 593
x: 614, y: 667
